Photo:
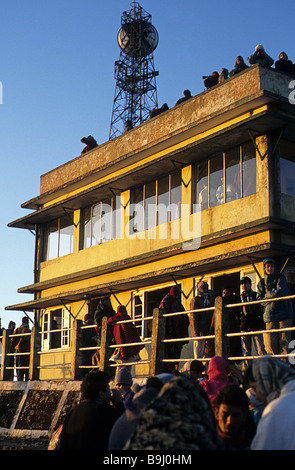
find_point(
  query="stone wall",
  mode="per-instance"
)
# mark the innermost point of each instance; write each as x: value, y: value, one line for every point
x: 35, y: 409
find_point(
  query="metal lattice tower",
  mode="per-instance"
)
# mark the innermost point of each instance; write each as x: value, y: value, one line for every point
x: 135, y: 93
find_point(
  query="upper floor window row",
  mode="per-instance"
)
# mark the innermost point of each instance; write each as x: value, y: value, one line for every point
x: 222, y: 178
x: 155, y: 203
x: 225, y: 177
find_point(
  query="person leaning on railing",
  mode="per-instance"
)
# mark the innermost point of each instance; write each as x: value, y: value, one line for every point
x: 276, y: 315
x: 20, y: 345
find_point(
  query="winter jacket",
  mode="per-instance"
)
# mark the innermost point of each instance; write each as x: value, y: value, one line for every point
x: 261, y: 58
x: 87, y: 426
x: 200, y: 321
x: 251, y: 315
x: 273, y: 286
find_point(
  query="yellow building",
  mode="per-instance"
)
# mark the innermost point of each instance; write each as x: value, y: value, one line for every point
x: 223, y: 163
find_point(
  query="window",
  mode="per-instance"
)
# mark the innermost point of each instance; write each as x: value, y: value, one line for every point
x: 287, y: 167
x: 248, y: 170
x: 225, y: 177
x: 216, y: 180
x: 55, y: 332
x: 59, y: 238
x: 155, y: 203
x: 102, y: 222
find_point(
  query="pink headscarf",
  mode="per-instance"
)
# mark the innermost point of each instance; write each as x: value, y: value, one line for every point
x: 218, y: 377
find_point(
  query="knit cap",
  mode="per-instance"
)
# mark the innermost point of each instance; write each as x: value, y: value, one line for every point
x: 123, y: 376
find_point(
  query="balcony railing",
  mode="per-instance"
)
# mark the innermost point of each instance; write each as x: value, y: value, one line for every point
x: 156, y: 344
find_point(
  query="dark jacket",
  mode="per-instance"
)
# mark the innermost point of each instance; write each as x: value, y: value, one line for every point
x: 87, y: 426
x: 284, y: 65
x: 200, y: 321
x: 238, y: 69
x: 273, y: 286
x: 260, y: 57
x: 176, y: 326
x: 251, y: 316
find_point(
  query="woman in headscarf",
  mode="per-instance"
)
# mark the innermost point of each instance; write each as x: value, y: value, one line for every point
x: 274, y: 383
x: 218, y: 377
x: 179, y: 418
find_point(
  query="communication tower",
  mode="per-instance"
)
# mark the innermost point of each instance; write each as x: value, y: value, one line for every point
x: 135, y: 75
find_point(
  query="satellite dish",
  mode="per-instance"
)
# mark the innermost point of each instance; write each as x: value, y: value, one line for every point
x: 138, y: 38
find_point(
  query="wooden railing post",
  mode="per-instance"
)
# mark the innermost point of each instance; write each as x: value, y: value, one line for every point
x: 76, y: 355
x: 5, y: 350
x: 221, y: 328
x: 103, y: 353
x: 157, y: 347
x: 35, y: 347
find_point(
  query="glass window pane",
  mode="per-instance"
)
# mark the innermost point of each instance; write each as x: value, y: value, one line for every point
x: 55, y: 337
x: 65, y: 325
x: 150, y: 205
x: 201, y: 178
x: 116, y: 217
x: 287, y: 167
x: 216, y: 181
x: 136, y: 213
x: 52, y: 240
x: 249, y: 169
x: 106, y: 220
x: 163, y: 206
x: 96, y: 225
x: 175, y: 196
x: 87, y: 227
x: 66, y: 236
x: 232, y: 175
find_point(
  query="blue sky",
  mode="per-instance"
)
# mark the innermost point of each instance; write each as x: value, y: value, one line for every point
x: 57, y: 74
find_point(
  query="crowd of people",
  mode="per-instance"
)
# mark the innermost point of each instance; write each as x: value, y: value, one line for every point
x: 192, y: 409
x: 213, y: 405
x: 256, y: 317
x: 259, y: 56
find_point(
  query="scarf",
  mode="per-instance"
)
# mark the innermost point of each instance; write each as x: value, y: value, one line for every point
x: 271, y: 374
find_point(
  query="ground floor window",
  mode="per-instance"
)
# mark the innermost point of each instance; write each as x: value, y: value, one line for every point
x: 55, y: 330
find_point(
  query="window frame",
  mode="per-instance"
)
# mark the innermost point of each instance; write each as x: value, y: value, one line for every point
x: 199, y: 174
x: 142, y: 221
x: 57, y: 236
x: 49, y: 334
x: 114, y: 229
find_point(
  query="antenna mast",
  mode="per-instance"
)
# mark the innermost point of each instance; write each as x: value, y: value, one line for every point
x: 135, y: 75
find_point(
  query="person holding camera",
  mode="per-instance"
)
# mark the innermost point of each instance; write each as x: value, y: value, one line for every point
x: 260, y: 57
x: 211, y: 80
